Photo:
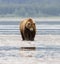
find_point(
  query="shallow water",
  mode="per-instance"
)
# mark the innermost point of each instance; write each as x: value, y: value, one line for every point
x: 47, y: 44
x: 39, y: 52
x: 43, y: 27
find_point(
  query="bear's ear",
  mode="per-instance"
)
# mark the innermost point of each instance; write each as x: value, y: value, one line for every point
x: 34, y: 23
x: 29, y: 19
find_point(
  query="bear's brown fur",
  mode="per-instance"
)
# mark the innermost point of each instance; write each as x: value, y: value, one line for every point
x: 28, y: 29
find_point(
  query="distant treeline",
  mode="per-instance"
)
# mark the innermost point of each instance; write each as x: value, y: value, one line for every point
x: 29, y: 8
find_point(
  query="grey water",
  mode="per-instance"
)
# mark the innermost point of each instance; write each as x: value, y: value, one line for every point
x: 12, y: 28
x: 43, y: 28
x: 41, y: 52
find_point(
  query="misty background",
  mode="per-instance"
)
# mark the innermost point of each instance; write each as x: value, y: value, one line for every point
x: 29, y: 8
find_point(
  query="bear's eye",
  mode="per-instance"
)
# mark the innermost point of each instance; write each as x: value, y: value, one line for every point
x: 29, y: 24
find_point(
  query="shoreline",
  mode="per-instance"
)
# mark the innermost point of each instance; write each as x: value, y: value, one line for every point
x: 35, y: 19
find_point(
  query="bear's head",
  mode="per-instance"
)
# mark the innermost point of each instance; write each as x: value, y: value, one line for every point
x: 30, y: 24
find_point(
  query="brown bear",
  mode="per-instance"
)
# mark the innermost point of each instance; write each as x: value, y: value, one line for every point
x: 28, y: 29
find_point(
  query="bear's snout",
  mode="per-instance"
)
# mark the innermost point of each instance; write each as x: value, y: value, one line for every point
x: 31, y: 29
